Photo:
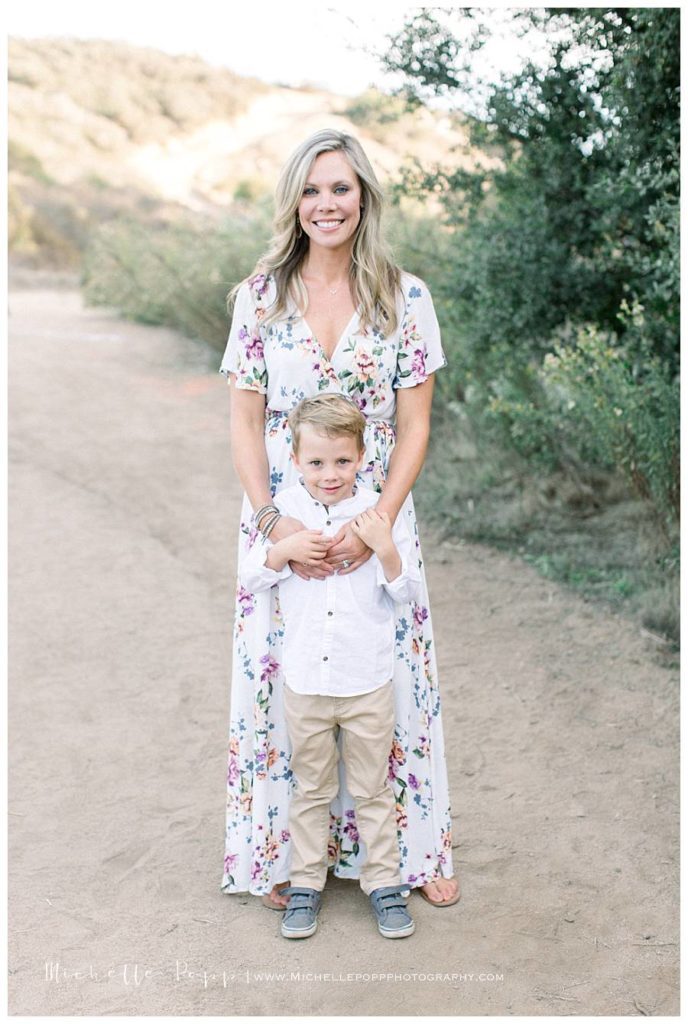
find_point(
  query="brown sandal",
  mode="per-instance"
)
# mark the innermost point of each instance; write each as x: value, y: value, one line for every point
x: 268, y: 901
x: 441, y: 903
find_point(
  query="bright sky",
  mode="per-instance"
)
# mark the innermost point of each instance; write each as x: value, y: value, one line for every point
x: 292, y: 43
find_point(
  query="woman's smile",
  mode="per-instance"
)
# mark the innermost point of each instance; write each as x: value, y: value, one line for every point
x: 328, y: 225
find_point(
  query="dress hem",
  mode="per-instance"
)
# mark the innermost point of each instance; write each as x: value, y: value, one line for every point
x: 228, y: 889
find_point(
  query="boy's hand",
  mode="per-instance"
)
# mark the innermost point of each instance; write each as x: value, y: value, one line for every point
x: 307, y: 546
x: 374, y: 528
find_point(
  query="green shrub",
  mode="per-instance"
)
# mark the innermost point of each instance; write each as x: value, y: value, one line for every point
x: 174, y: 274
x: 605, y: 403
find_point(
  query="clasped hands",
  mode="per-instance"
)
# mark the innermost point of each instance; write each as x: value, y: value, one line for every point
x: 315, y: 556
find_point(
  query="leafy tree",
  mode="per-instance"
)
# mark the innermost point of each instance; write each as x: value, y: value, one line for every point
x: 577, y: 223
x: 590, y: 175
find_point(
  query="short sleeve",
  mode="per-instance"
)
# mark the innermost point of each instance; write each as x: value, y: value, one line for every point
x: 244, y: 354
x: 420, y: 347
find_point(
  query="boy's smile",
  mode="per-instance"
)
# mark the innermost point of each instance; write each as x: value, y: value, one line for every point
x: 328, y: 464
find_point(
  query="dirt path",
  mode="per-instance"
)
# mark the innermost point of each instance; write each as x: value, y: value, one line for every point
x: 562, y: 736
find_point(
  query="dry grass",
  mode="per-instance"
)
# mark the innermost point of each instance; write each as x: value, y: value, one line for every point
x: 591, y: 534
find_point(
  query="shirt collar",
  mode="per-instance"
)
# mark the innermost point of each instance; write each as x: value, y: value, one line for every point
x: 340, y: 506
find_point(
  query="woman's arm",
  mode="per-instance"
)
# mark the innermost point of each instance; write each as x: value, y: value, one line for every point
x: 247, y: 428
x: 413, y: 432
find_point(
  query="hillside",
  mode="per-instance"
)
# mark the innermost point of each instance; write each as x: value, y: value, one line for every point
x: 100, y: 129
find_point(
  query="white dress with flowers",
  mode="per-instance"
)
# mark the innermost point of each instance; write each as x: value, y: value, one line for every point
x: 285, y: 363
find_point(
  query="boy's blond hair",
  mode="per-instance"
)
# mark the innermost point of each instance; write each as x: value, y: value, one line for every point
x: 332, y: 415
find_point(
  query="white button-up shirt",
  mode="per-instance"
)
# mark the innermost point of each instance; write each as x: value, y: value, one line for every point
x: 339, y: 633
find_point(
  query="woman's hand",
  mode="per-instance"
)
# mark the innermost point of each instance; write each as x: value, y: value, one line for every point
x: 347, y: 547
x: 284, y: 527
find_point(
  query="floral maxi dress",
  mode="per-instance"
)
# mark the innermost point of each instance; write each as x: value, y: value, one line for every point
x: 285, y: 363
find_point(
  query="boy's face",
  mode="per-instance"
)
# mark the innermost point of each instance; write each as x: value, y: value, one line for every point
x: 328, y: 464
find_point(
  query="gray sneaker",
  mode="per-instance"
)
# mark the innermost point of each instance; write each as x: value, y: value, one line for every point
x: 389, y: 905
x: 300, y: 917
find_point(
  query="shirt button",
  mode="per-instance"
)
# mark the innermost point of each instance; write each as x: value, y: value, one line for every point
x: 325, y: 658
x: 330, y: 613
x: 328, y: 523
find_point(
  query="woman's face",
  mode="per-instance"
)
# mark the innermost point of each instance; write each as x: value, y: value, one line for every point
x: 330, y: 207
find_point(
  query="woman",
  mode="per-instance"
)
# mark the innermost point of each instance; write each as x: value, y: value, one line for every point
x: 327, y: 310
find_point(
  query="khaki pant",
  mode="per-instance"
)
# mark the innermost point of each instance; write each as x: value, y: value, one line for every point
x: 366, y: 725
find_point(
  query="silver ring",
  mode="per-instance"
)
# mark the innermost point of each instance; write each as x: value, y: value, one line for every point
x: 346, y: 563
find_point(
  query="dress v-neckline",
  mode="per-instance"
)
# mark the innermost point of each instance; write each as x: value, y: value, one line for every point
x: 342, y: 336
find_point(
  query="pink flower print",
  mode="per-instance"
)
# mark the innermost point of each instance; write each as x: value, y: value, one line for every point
x: 255, y: 348
x: 245, y: 599
x: 420, y: 614
x: 230, y: 862
x: 259, y: 283
x: 233, y: 762
x: 270, y: 670
x: 285, y: 836
x: 350, y: 829
x: 396, y: 759
x: 271, y: 850
x: 364, y: 363
x: 423, y: 748
x: 418, y: 363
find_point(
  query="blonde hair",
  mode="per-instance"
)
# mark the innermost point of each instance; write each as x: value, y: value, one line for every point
x: 375, y: 278
x: 332, y: 415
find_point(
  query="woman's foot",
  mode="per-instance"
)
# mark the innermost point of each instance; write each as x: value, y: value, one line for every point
x: 443, y: 892
x: 275, y: 900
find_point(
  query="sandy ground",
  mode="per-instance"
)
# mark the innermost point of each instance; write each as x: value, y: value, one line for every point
x: 562, y: 734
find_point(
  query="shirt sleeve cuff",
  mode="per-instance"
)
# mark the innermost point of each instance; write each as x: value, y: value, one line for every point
x: 255, y: 575
x: 406, y: 587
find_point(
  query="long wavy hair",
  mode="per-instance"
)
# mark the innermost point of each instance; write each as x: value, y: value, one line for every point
x: 374, y: 277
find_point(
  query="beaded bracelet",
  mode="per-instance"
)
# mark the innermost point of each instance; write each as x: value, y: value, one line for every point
x: 266, y: 519
x: 271, y: 525
x: 257, y: 516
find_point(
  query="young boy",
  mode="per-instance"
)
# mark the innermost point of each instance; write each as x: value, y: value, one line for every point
x: 338, y: 658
